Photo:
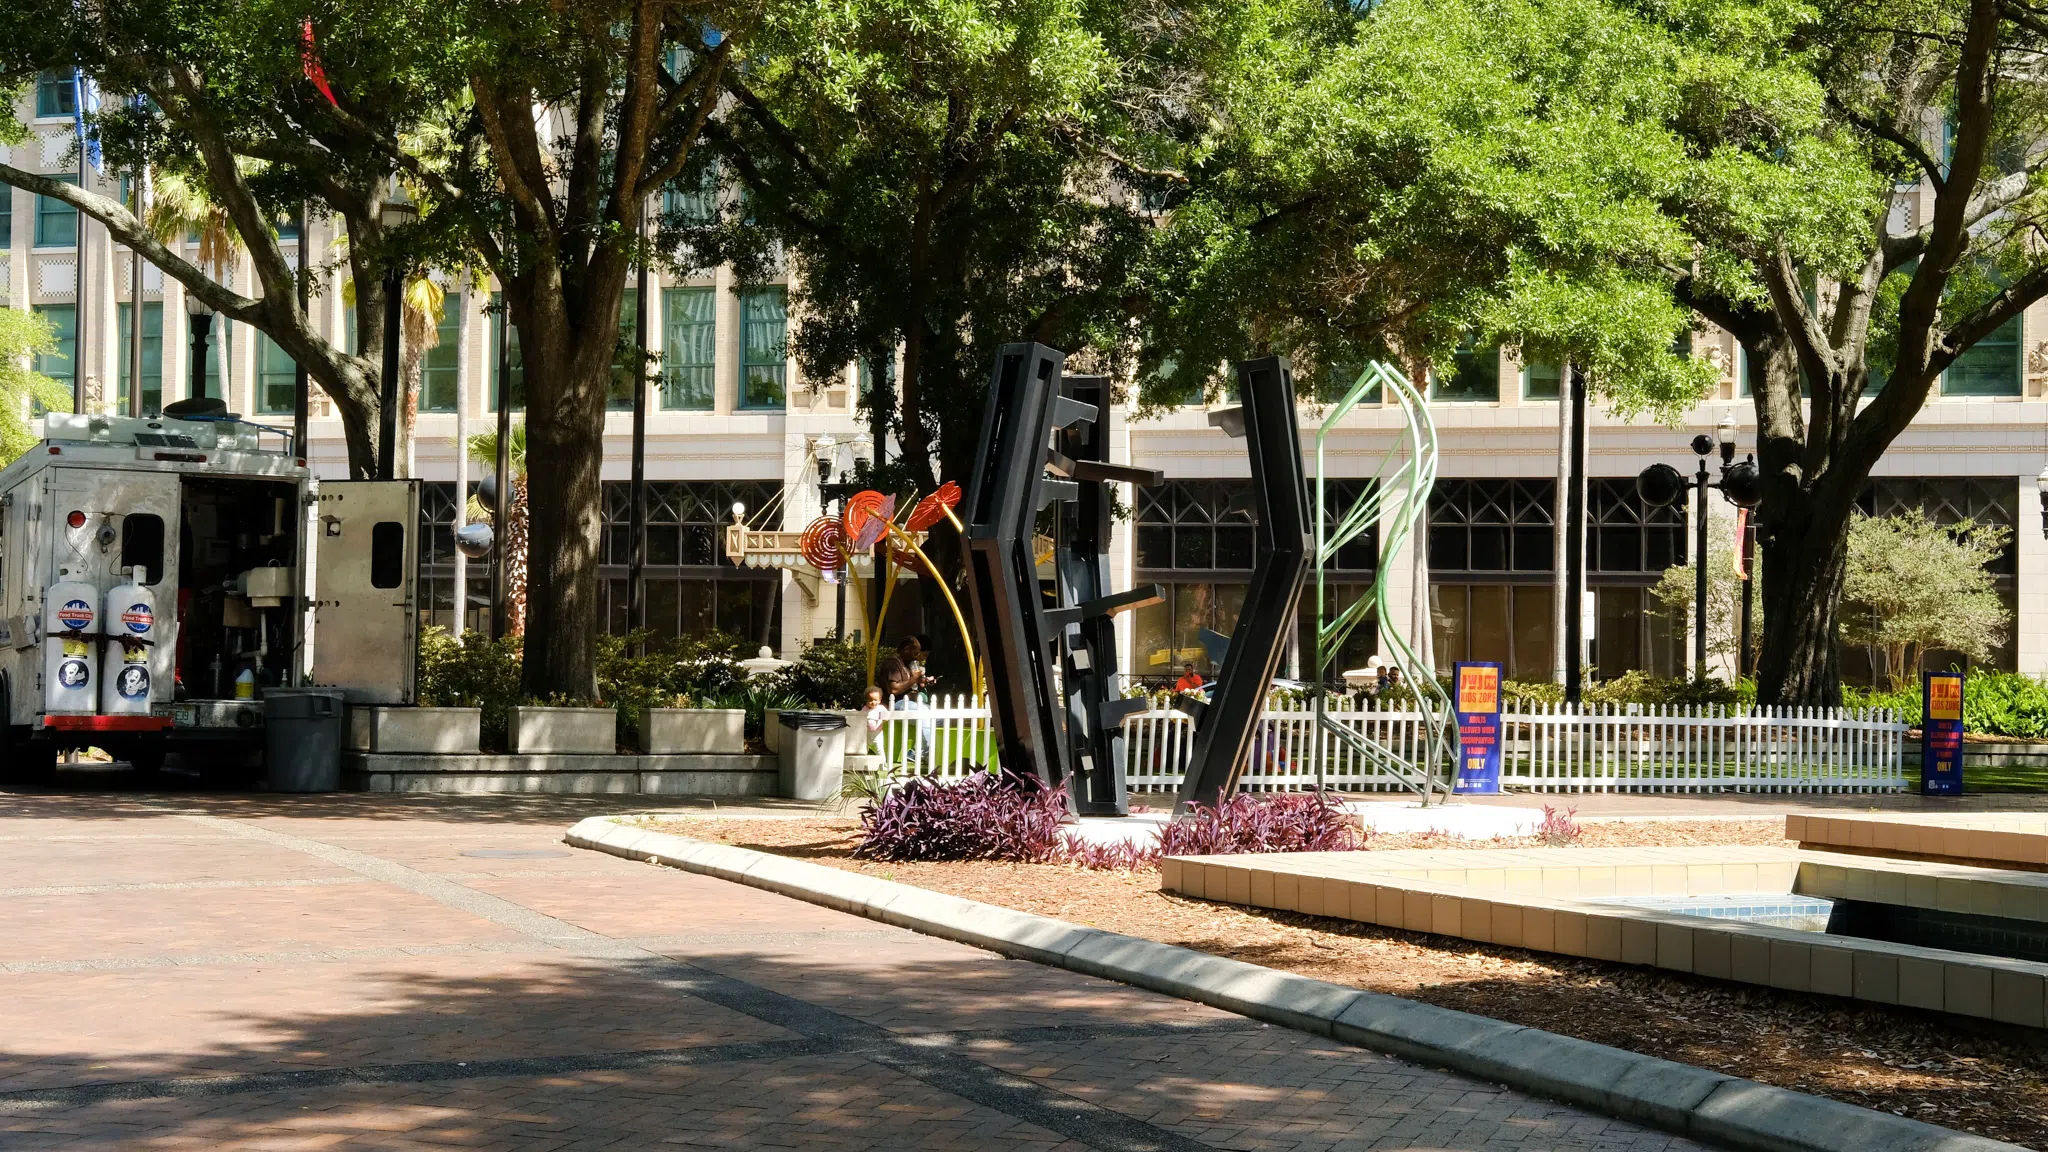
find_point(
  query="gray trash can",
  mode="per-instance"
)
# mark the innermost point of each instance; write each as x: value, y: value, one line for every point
x: 813, y: 754
x: 303, y: 730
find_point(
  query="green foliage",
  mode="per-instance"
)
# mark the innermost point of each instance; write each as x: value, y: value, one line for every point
x: 1677, y: 585
x: 1913, y: 586
x: 756, y: 697
x: 22, y: 335
x: 478, y: 673
x: 1633, y: 687
x: 831, y: 673
x: 1387, y: 185
x: 681, y: 673
x: 1994, y: 704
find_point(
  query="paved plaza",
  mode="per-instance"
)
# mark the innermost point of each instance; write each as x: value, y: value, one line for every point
x: 342, y: 972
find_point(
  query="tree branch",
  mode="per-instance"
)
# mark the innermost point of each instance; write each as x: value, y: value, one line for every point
x: 123, y: 226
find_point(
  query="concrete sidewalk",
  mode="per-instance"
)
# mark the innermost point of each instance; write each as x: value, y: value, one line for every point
x: 362, y: 972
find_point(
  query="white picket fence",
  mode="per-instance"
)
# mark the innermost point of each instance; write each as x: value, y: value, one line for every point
x: 1544, y: 748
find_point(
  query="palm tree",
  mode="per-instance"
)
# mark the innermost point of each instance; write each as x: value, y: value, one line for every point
x: 484, y: 446
x: 178, y: 208
x: 22, y: 336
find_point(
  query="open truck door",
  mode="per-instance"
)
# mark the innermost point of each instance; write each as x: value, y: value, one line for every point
x: 365, y: 545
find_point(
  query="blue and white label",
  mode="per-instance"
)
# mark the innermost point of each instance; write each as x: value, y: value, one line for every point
x: 138, y: 618
x: 133, y: 682
x: 75, y: 615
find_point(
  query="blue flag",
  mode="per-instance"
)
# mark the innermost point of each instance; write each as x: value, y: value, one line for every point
x: 86, y: 99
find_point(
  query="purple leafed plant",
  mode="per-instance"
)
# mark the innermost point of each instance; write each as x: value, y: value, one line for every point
x: 1286, y: 822
x: 981, y: 817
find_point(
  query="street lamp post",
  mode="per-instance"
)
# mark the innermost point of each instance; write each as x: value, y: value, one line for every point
x: 202, y: 326
x: 396, y: 213
x: 1661, y: 485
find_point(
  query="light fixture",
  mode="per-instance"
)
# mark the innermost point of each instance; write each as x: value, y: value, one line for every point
x: 1724, y: 432
x: 398, y: 208
x: 739, y: 512
x: 196, y: 306
x: 862, y: 446
x: 2041, y: 483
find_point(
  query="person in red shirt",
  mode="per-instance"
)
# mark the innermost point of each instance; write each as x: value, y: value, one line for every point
x: 1190, y: 680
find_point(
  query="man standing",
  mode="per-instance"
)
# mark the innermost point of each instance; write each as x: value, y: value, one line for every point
x: 1190, y: 680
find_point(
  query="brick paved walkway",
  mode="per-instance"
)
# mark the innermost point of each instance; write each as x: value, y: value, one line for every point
x: 352, y: 972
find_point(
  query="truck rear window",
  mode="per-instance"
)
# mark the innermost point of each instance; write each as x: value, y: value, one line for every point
x: 142, y: 543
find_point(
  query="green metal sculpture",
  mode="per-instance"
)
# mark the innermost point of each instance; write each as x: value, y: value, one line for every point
x: 1402, y: 483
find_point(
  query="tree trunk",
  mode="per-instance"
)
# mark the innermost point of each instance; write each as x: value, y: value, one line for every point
x: 1804, y: 551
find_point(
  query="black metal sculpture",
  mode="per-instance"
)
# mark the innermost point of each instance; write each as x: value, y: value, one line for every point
x: 1224, y: 728
x: 1096, y: 709
x: 1021, y: 638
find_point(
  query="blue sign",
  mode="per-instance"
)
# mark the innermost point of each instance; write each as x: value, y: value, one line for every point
x: 1476, y: 690
x: 1941, y: 734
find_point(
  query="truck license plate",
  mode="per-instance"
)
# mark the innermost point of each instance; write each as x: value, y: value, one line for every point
x: 182, y: 715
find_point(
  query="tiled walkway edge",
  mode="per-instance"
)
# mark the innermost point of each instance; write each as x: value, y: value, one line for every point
x: 1680, y: 1098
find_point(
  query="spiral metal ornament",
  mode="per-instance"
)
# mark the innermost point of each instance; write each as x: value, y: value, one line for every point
x: 867, y: 517
x: 823, y: 544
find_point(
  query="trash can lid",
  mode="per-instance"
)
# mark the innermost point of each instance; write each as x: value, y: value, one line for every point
x: 813, y: 721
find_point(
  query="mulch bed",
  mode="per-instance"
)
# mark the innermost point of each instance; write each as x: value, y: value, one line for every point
x: 1984, y: 1079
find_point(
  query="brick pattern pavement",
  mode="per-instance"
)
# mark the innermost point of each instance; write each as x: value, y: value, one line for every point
x: 349, y: 973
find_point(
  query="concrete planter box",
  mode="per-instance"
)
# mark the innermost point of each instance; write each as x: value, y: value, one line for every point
x: 547, y: 729
x: 693, y: 730
x: 413, y: 730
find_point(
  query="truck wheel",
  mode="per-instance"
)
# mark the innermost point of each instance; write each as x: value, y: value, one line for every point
x: 25, y: 761
x: 147, y: 759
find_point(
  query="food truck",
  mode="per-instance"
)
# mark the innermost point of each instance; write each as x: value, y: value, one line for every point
x: 159, y: 574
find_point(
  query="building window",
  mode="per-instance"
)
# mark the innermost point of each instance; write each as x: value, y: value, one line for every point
x: 1540, y: 380
x: 692, y: 202
x: 1339, y: 379
x: 6, y: 217
x: 764, y: 364
x: 1166, y: 635
x: 626, y: 362
x: 277, y: 378
x: 56, y: 93
x: 692, y: 589
x: 60, y: 362
x: 1195, y: 525
x: 1510, y: 624
x: 438, y: 368
x: 1624, y: 535
x: 689, y: 348
x: 1474, y: 375
x: 152, y: 357
x: 1491, y: 525
x: 56, y: 221
x: 1990, y: 367
x: 505, y: 334
x: 1634, y: 632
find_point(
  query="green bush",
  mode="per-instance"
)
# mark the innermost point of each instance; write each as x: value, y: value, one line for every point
x: 685, y: 672
x: 831, y: 673
x: 1994, y: 704
x: 479, y: 673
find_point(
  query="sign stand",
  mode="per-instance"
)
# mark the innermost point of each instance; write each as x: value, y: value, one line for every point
x: 1941, y: 734
x: 1476, y: 687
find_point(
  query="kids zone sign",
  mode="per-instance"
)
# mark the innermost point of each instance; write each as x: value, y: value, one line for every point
x: 1477, y: 700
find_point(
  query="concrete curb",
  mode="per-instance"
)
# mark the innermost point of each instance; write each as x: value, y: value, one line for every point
x: 1676, y: 1097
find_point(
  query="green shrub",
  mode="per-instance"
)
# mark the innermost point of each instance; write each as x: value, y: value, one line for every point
x: 1994, y: 704
x: 478, y: 673
x: 685, y: 672
x: 831, y: 673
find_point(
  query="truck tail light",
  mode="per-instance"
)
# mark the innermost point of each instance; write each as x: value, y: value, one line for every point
x: 76, y: 519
